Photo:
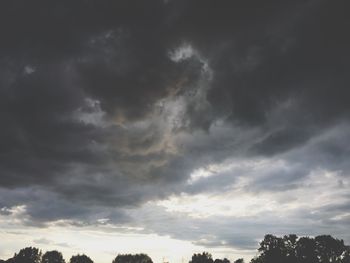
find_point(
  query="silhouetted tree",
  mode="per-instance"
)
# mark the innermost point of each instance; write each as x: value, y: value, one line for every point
x: 52, y: 257
x: 291, y: 249
x: 290, y: 242
x: 27, y: 255
x: 80, y: 259
x: 346, y: 255
x: 272, y: 249
x: 306, y: 250
x: 225, y: 260
x: 205, y: 257
x: 257, y: 259
x: 129, y: 258
x: 329, y: 249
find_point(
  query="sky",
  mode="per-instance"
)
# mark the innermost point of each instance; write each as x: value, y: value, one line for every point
x: 172, y: 127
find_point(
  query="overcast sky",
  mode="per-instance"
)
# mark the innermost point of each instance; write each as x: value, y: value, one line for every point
x: 172, y: 127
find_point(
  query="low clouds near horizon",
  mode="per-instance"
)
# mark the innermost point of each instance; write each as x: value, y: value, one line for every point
x: 210, y: 122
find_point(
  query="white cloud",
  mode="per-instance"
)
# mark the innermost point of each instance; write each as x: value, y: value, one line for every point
x: 29, y: 69
x: 183, y: 52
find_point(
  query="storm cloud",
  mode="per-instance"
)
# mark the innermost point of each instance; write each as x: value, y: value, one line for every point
x: 117, y: 110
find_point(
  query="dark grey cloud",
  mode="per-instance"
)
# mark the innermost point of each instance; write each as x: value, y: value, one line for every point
x: 106, y: 105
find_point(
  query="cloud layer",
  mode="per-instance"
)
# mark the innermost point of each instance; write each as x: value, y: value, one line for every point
x: 226, y: 120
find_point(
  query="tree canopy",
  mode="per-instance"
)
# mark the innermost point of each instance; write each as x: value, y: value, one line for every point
x: 129, y: 258
x: 272, y: 249
x: 27, y: 255
x: 80, y: 259
x: 291, y: 249
x: 225, y: 260
x: 205, y: 257
x: 52, y: 257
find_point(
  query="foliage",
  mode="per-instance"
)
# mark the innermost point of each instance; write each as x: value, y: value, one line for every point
x: 205, y: 257
x: 291, y: 249
x: 225, y: 260
x: 52, y: 257
x: 80, y: 259
x: 27, y: 255
x: 272, y: 249
x: 129, y: 258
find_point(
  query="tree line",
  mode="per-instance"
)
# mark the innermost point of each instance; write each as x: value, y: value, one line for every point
x: 34, y: 255
x: 272, y: 249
